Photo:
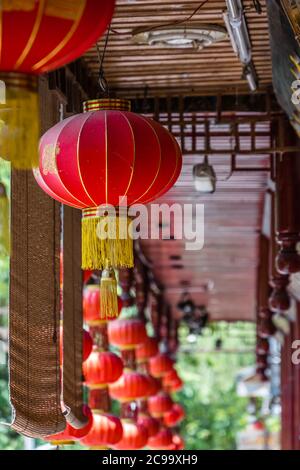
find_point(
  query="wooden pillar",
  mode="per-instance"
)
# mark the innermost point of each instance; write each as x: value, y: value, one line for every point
x: 279, y: 299
x: 287, y: 202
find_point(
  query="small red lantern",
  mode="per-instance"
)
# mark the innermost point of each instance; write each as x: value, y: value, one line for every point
x: 106, y: 431
x: 174, y: 416
x: 177, y: 443
x: 176, y: 386
x: 102, y: 368
x: 29, y: 48
x: 170, y: 377
x: 127, y: 333
x: 70, y: 434
x: 91, y: 306
x: 135, y: 436
x: 87, y: 345
x: 147, y: 349
x: 160, y: 365
x: 162, y: 440
x: 151, y: 424
x: 159, y: 404
x: 131, y: 386
x: 154, y: 386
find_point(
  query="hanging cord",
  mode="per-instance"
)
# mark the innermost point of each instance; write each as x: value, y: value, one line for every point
x: 173, y: 23
x: 103, y: 84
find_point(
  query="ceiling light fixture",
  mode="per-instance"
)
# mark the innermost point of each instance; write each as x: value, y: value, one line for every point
x: 235, y: 22
x: 204, y: 177
x: 196, y: 36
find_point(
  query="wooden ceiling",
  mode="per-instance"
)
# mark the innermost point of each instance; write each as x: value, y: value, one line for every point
x: 223, y: 274
x: 130, y: 67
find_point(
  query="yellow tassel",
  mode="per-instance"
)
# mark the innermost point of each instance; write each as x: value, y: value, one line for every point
x: 97, y: 249
x: 4, y: 222
x: 19, y: 120
x: 108, y: 295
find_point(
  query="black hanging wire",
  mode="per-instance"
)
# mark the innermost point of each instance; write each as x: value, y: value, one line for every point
x: 102, y: 81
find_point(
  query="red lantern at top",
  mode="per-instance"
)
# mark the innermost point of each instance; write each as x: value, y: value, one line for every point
x: 104, y: 161
x: 29, y: 48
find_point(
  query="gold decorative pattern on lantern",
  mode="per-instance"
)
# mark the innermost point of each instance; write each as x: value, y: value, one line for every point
x: 10, y: 5
x: 51, y: 151
x: 58, y: 8
x: 65, y: 8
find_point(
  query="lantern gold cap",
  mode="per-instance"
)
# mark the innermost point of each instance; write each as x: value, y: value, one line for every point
x: 111, y: 104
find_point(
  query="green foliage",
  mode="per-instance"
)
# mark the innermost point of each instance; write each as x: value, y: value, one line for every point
x: 214, y: 412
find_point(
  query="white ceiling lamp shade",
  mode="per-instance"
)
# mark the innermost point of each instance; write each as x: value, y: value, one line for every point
x: 196, y: 36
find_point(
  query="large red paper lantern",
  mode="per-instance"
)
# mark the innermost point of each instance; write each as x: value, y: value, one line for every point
x: 135, y: 436
x: 106, y: 431
x: 147, y: 349
x: 159, y: 404
x: 102, y: 368
x: 162, y: 440
x: 70, y: 434
x: 151, y: 424
x: 38, y: 36
x: 131, y: 386
x: 160, y: 365
x: 102, y: 159
x: 174, y: 416
x: 91, y: 306
x: 127, y: 333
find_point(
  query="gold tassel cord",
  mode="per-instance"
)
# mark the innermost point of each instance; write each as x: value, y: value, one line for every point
x: 19, y: 120
x: 4, y: 222
x: 106, y: 239
x: 108, y: 295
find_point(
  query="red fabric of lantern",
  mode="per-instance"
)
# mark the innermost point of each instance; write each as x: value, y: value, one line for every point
x: 151, y: 424
x: 87, y: 345
x: 71, y: 434
x: 160, y: 365
x: 174, y: 416
x: 177, y: 443
x: 176, y: 386
x: 106, y: 431
x: 147, y: 349
x: 91, y: 306
x: 131, y: 386
x: 159, y: 404
x: 135, y: 436
x: 35, y: 49
x: 102, y: 368
x: 154, y: 386
x: 161, y: 441
x: 127, y: 333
